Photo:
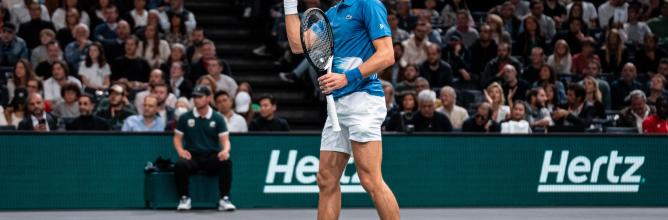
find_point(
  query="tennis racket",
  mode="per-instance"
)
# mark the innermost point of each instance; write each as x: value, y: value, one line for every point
x: 318, y: 44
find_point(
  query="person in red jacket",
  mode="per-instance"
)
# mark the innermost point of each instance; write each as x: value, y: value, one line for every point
x: 657, y: 123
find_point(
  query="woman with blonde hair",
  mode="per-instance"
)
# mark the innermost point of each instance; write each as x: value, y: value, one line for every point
x: 494, y: 96
x: 593, y: 96
x: 561, y: 60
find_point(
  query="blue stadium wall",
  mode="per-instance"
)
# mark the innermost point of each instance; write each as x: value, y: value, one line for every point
x: 105, y: 171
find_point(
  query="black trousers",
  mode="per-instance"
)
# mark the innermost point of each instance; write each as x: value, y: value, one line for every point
x: 208, y: 163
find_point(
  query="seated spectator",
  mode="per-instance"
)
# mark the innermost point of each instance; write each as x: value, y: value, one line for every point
x: 407, y: 20
x: 454, y: 113
x: 149, y: 120
x: 138, y: 16
x: 390, y: 102
x: 581, y: 60
x: 176, y: 7
x: 448, y: 16
x: 15, y: 111
x: 177, y: 31
x: 458, y: 56
x: 199, y: 67
x: 648, y: 58
x: 634, y: 114
x: 594, y: 97
x: 152, y: 48
x: 421, y: 84
x: 658, y: 122
x: 242, y: 106
x: 116, y: 48
x: 537, y: 112
x: 587, y: 11
x: 498, y: 29
x: 662, y: 69
x: 403, y: 117
x: 13, y: 47
x: 60, y: 76
x: 21, y: 13
x: 68, y: 107
x: 37, y: 118
x: 3, y: 119
x: 613, y: 54
x: 415, y: 46
x: 531, y: 37
x: 75, y: 51
x: 494, y: 96
x: 622, y: 87
x: 398, y: 34
x: 64, y: 35
x: 517, y: 123
x: 482, y: 51
x: 575, y: 115
x: 657, y: 88
x: 86, y: 120
x: 195, y: 43
x: 561, y: 60
x: 94, y: 70
x: 97, y: 14
x: 40, y: 53
x: 106, y: 30
x: 59, y: 16
x: 576, y: 34
x: 224, y: 82
x: 548, y: 76
x: 511, y: 22
x: 156, y: 79
x: 22, y: 73
x: 612, y: 11
x: 54, y: 54
x: 494, y: 69
x: 435, y: 70
x: 115, y: 109
x: 234, y: 121
x: 427, y: 119
x: 130, y: 67
x: 516, y: 89
x: 482, y: 121
x: 546, y: 23
x: 636, y: 30
x: 659, y: 25
x: 410, y: 74
x: 179, y: 85
x: 594, y: 70
x: 177, y: 54
x: 532, y: 71
x: 468, y: 34
x: 268, y: 121
x: 4, y: 95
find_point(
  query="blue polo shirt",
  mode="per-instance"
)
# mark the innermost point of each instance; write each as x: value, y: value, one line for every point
x: 356, y: 23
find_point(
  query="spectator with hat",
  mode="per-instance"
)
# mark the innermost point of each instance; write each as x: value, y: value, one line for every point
x: 116, y: 108
x: 12, y: 48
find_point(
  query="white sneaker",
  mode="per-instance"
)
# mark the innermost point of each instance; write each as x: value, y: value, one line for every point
x: 226, y: 205
x: 184, y: 204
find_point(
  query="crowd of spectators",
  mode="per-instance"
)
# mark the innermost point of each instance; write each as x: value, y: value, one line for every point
x: 114, y: 65
x: 525, y: 66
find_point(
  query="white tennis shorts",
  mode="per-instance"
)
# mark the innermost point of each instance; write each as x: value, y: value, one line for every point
x: 360, y: 116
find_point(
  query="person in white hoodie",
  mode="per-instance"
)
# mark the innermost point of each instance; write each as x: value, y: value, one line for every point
x: 517, y: 124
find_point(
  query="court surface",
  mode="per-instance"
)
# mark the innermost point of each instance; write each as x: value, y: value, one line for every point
x: 300, y: 214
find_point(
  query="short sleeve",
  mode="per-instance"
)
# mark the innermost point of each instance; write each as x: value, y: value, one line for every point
x: 181, y: 124
x: 221, y: 127
x: 375, y: 19
x: 106, y: 71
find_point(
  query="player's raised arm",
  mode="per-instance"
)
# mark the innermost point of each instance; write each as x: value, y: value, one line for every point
x: 292, y: 25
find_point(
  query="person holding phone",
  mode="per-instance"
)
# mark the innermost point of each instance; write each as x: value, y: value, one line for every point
x: 37, y: 119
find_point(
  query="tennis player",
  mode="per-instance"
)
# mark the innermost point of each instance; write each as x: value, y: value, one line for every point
x: 362, y: 47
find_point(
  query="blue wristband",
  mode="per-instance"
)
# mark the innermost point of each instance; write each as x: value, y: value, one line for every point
x: 354, y: 75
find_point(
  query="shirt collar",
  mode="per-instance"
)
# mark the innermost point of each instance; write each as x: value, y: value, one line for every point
x: 208, y: 114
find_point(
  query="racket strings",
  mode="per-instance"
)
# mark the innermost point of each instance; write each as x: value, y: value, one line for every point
x: 318, y: 40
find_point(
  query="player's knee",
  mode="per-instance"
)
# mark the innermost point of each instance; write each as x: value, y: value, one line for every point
x: 327, y: 182
x: 181, y: 165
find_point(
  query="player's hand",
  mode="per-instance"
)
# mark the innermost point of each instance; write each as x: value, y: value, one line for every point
x: 332, y: 81
x: 223, y: 155
x: 184, y: 154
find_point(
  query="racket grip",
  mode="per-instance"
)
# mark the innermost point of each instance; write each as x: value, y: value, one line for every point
x: 331, y: 112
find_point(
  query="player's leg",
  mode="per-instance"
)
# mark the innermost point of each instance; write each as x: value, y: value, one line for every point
x: 331, y: 168
x: 368, y: 158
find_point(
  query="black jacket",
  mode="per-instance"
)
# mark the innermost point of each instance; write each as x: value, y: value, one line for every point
x: 26, y: 123
x: 88, y: 123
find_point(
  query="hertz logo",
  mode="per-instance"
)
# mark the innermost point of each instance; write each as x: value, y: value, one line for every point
x: 583, y: 175
x: 299, y: 176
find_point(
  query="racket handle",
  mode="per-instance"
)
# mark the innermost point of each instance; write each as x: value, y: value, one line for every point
x: 331, y: 112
